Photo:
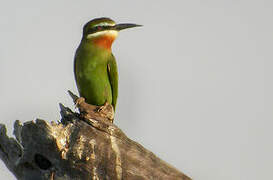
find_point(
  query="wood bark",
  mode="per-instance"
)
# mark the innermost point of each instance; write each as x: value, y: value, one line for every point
x: 79, y: 147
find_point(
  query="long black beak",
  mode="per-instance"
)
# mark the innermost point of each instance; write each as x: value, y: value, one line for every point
x: 125, y: 26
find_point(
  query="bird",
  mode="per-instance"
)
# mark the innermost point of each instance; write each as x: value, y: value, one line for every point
x: 95, y: 67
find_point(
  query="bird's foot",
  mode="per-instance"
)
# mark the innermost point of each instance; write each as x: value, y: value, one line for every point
x: 103, y: 107
x: 89, y: 111
x: 106, y: 110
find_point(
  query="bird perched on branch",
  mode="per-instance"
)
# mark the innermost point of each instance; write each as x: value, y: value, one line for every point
x: 95, y: 66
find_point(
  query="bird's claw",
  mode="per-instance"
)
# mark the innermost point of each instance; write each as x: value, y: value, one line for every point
x: 103, y: 107
x: 106, y: 110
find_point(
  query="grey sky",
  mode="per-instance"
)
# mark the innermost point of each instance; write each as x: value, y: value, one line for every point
x: 195, y: 81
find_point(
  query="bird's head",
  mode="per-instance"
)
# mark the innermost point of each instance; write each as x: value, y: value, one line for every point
x: 103, y: 31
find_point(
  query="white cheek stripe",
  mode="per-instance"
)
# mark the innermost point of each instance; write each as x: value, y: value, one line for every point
x: 100, y: 33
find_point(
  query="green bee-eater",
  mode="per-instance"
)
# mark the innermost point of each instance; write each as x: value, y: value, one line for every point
x: 95, y: 66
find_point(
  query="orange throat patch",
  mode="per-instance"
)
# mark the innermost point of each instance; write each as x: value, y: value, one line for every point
x: 104, y: 41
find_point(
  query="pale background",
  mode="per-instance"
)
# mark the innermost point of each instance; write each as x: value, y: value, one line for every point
x: 195, y: 81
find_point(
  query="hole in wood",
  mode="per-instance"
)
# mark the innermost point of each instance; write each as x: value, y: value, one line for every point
x: 42, y: 162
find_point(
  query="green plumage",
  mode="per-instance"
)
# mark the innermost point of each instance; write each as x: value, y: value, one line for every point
x: 96, y: 74
x: 95, y: 66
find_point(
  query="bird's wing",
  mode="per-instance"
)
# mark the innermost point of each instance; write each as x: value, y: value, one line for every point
x: 113, y: 77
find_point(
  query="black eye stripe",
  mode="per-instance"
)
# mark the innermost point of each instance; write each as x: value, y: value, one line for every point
x: 98, y: 28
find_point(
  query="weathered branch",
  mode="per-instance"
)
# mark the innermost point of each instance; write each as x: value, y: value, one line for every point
x: 79, y: 148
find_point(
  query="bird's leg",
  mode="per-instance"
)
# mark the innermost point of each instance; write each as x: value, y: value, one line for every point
x: 106, y: 110
x: 89, y: 111
x: 92, y: 111
x: 103, y: 107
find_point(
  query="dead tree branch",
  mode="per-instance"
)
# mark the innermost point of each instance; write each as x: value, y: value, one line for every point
x: 79, y: 148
